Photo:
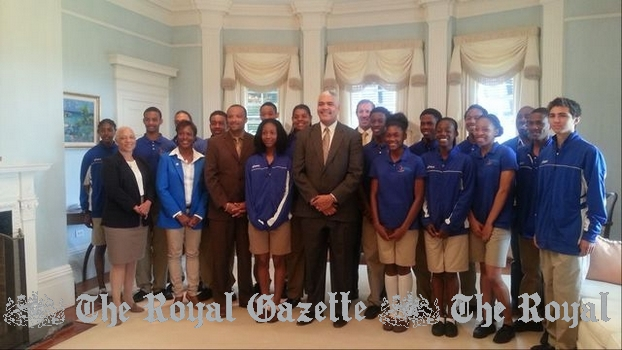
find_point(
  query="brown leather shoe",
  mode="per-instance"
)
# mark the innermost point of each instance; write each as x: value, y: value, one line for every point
x: 179, y: 298
x: 136, y: 309
x: 193, y: 299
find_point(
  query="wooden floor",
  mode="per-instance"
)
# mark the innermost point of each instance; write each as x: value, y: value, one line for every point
x: 74, y: 326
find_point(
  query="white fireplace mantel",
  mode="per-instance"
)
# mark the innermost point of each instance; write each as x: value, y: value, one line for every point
x: 17, y: 194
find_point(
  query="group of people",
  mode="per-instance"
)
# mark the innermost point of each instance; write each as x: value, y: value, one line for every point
x: 326, y: 190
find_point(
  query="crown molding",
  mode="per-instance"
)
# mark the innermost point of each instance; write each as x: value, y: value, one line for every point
x: 148, y: 8
x: 292, y: 14
x: 470, y: 8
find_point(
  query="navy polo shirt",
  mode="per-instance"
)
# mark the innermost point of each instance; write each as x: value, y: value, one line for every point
x: 371, y: 151
x: 423, y: 146
x: 488, y: 169
x: 467, y: 147
x: 150, y: 151
x: 396, y: 186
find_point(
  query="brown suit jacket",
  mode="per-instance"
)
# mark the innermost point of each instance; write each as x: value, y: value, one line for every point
x: 340, y: 176
x: 224, y: 172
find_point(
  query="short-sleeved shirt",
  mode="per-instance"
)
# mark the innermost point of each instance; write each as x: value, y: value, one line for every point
x: 150, y: 150
x: 396, y: 185
x: 467, y: 147
x: 488, y: 169
x: 423, y: 146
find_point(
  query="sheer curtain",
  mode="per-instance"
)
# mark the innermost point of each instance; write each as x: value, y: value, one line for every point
x: 262, y: 68
x: 492, y: 58
x: 397, y: 66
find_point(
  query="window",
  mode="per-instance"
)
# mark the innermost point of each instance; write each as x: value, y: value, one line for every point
x: 499, y: 100
x: 375, y: 93
x: 253, y: 101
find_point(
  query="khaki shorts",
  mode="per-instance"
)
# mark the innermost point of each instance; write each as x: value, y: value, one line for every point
x: 449, y: 254
x: 275, y: 242
x: 402, y: 252
x: 97, y: 233
x: 495, y: 251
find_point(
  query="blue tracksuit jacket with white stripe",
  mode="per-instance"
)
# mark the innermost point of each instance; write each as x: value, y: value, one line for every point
x: 268, y: 191
x: 570, y: 195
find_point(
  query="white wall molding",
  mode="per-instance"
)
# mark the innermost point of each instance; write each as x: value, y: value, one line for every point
x: 58, y: 284
x: 438, y: 14
x: 151, y: 9
x: 138, y: 85
x: 142, y: 65
x: 280, y: 15
x: 593, y: 17
x: 552, y: 37
x: 113, y: 27
x: 471, y: 8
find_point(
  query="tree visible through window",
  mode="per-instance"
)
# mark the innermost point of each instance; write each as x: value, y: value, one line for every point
x: 253, y: 101
x: 499, y: 100
x: 373, y: 92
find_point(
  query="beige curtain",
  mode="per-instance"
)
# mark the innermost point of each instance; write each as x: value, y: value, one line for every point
x: 262, y: 68
x: 492, y: 58
x: 397, y: 66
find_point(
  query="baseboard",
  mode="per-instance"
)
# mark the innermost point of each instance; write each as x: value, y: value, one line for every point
x: 58, y: 284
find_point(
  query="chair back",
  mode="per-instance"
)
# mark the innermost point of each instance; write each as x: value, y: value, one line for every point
x: 612, y: 198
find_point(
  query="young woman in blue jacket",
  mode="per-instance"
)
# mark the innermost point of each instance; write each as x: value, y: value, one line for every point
x: 268, y: 204
x: 183, y: 197
x: 449, y: 189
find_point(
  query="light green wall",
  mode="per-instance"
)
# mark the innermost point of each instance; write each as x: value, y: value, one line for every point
x: 526, y: 17
x: 31, y: 112
x: 592, y: 77
x: 575, y: 8
x: 376, y: 33
x: 261, y: 37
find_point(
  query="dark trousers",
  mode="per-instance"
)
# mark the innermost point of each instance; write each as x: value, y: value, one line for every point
x: 338, y: 239
x: 468, y: 280
x: 224, y: 236
x: 354, y: 289
x: 295, y: 261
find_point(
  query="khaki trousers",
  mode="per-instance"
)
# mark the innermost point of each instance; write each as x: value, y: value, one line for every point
x: 563, y: 275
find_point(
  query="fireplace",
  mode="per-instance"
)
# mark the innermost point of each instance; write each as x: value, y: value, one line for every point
x: 18, y: 247
x: 12, y: 279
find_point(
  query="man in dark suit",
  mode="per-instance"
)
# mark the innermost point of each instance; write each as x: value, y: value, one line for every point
x: 327, y: 168
x: 224, y: 176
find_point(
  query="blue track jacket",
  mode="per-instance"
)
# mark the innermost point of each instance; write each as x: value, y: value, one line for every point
x: 268, y: 191
x: 570, y: 195
x: 450, y: 185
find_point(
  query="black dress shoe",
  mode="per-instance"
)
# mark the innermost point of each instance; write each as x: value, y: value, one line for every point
x: 530, y: 326
x: 139, y: 296
x: 482, y: 332
x: 293, y: 302
x: 340, y: 323
x: 372, y: 312
x: 256, y: 289
x: 304, y: 323
x: 168, y: 295
x: 205, y: 294
x: 353, y: 295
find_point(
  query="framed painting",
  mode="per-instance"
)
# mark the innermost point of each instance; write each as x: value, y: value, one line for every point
x: 81, y: 116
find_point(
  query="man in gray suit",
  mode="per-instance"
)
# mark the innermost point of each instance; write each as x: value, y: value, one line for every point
x: 327, y: 168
